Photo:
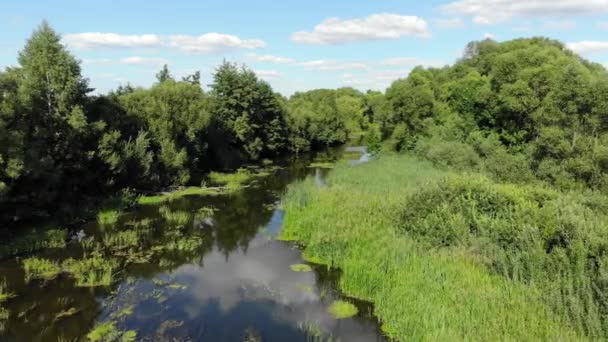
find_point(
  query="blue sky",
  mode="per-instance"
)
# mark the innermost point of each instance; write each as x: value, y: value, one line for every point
x: 294, y: 45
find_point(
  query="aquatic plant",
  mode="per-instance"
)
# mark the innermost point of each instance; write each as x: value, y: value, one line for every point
x: 168, y: 197
x: 340, y: 309
x: 232, y: 181
x: 34, y: 241
x: 108, y: 332
x: 40, y: 268
x: 175, y: 218
x: 300, y: 268
x: 4, y: 293
x: 108, y: 216
x: 92, y: 271
x: 122, y: 240
x: 66, y: 314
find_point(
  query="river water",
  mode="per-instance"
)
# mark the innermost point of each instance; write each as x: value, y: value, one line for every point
x: 235, y: 284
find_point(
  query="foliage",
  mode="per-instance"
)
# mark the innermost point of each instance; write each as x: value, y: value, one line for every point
x: 355, y: 224
x: 528, y: 103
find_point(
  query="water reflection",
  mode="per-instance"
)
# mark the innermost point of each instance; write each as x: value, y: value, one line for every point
x: 235, y: 284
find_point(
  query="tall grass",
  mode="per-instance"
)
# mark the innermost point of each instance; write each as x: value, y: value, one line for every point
x: 422, y: 289
x: 232, y: 181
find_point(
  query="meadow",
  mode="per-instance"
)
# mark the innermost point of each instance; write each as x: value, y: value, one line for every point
x: 448, y: 255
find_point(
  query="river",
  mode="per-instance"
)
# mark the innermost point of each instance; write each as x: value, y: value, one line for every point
x: 229, y: 279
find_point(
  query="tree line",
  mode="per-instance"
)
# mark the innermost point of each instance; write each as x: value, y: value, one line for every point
x: 525, y: 110
x: 60, y: 145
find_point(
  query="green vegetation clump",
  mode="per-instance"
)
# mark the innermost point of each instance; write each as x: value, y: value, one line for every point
x: 34, y: 241
x: 322, y: 165
x: 4, y: 294
x: 93, y: 271
x: 108, y: 217
x: 340, y: 309
x: 300, y: 268
x: 107, y: 332
x: 175, y: 217
x: 189, y: 191
x: 356, y: 224
x: 232, y: 181
x: 40, y: 268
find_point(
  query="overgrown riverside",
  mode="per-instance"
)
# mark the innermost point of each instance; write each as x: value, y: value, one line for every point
x: 483, y: 214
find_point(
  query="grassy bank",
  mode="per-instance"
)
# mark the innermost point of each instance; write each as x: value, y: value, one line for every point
x: 445, y: 256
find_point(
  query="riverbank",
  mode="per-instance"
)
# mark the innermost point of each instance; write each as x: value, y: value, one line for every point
x: 438, y: 276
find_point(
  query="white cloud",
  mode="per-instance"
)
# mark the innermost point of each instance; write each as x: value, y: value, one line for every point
x: 89, y: 40
x: 268, y: 74
x: 270, y: 59
x: 144, y: 60
x: 603, y: 25
x: 488, y: 35
x: 450, y: 23
x: 97, y: 61
x: 412, y: 62
x: 588, y: 46
x: 328, y: 65
x: 202, y: 44
x: 374, y: 27
x: 213, y: 43
x: 493, y: 11
x: 562, y: 25
x: 135, y: 60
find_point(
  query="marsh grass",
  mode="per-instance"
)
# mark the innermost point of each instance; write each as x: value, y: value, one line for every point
x: 40, y: 268
x: 168, y: 197
x: 108, y: 217
x: 93, y: 271
x: 34, y: 241
x: 232, y: 181
x: 4, y: 293
x: 421, y: 290
x: 175, y: 217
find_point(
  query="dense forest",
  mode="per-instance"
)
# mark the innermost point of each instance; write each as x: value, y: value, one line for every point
x: 61, y: 145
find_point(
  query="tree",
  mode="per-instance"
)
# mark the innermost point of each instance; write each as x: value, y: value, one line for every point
x: 164, y: 74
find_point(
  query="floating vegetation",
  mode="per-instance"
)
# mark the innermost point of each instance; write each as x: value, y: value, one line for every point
x: 4, y: 293
x: 183, y: 244
x: 125, y: 312
x: 91, y: 272
x: 107, y: 332
x: 36, y: 240
x: 107, y: 217
x: 66, y: 313
x: 177, y: 286
x: 168, y: 197
x: 300, y: 268
x: 40, y: 268
x: 122, y: 240
x: 176, y: 218
x: 322, y: 165
x: 340, y: 309
x: 232, y: 181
